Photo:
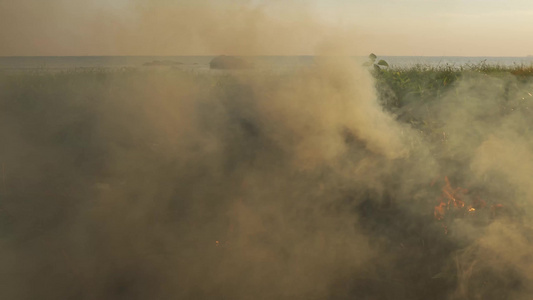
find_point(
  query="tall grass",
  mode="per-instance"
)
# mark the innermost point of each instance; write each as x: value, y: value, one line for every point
x: 402, y: 90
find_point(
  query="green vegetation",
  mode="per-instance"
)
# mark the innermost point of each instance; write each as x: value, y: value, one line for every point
x: 411, y: 92
x: 400, y: 85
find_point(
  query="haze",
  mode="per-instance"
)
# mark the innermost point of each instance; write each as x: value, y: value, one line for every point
x: 183, y: 27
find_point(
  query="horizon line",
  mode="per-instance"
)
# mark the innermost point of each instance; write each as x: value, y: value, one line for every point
x: 258, y: 55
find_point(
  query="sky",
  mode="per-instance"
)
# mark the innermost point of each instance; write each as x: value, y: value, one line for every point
x: 266, y: 27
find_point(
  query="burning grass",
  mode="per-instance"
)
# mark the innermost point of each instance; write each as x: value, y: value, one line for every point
x: 173, y: 184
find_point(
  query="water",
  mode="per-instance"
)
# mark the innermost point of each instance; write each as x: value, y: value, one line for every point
x: 201, y: 63
x: 98, y: 62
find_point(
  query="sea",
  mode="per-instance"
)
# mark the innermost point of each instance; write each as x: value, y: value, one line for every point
x: 201, y: 63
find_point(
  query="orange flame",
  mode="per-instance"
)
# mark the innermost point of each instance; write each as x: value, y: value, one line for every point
x: 440, y: 210
x: 451, y: 199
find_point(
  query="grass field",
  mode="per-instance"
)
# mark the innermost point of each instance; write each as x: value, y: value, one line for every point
x: 169, y: 184
x: 422, y: 83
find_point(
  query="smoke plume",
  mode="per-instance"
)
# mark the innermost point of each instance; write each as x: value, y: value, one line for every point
x: 293, y: 184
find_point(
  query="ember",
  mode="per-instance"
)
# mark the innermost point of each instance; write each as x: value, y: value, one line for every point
x: 222, y: 244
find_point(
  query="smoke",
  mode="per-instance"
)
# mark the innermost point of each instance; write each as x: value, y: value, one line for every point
x: 170, y: 184
x: 184, y: 27
x: 165, y: 184
x: 486, y: 121
x: 242, y: 27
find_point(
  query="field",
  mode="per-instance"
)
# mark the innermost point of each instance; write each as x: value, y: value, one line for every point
x: 330, y: 182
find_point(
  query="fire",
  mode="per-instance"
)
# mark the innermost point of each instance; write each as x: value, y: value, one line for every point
x: 451, y: 200
x: 440, y: 210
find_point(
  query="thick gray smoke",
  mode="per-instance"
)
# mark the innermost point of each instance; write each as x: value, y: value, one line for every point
x: 167, y: 184
x: 160, y: 185
x: 267, y: 185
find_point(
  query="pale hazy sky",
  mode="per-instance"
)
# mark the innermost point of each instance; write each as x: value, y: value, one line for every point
x: 254, y: 27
